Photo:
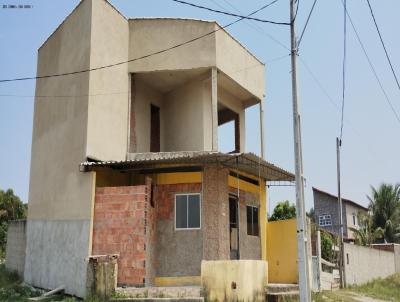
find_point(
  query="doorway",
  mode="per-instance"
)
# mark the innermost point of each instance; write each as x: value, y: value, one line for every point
x: 233, y: 227
x: 155, y: 129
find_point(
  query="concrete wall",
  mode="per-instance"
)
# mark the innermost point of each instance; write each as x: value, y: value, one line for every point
x: 142, y: 99
x: 151, y: 35
x: 282, y: 251
x: 239, y: 64
x: 327, y: 205
x: 350, y: 210
x: 250, y: 246
x: 183, y: 113
x: 234, y: 280
x: 365, y: 264
x: 178, y: 252
x: 215, y: 218
x: 107, y: 132
x: 16, y: 246
x: 60, y: 197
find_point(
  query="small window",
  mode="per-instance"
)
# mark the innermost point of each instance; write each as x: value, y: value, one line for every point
x: 325, y: 220
x: 354, y: 219
x: 187, y: 211
x: 252, y: 221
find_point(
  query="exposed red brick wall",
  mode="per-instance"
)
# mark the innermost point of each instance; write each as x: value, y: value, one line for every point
x: 120, y: 228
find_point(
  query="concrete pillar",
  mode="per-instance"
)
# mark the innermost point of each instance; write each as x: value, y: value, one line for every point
x: 214, y: 102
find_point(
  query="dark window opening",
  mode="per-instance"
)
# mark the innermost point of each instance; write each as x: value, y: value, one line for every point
x: 233, y: 227
x: 252, y: 221
x: 155, y: 129
x: 187, y: 211
x: 225, y: 116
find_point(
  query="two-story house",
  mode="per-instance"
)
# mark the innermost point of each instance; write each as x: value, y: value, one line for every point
x: 124, y: 150
x: 327, y: 213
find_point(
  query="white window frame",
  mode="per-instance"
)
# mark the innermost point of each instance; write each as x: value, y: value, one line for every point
x: 187, y: 211
x: 323, y: 218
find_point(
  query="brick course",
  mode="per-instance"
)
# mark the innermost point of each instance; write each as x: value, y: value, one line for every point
x: 120, y: 228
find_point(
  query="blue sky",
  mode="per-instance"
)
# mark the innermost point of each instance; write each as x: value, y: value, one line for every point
x: 371, y: 144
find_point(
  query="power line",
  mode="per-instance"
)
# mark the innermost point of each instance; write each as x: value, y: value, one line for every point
x: 254, y: 25
x: 343, y: 69
x: 383, y: 44
x: 138, y: 58
x: 371, y: 65
x: 305, y: 25
x: 231, y: 14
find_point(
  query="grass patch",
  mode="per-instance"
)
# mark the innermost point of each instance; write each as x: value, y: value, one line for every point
x: 386, y: 289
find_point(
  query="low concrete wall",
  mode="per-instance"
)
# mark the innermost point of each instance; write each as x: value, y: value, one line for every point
x: 234, y: 280
x: 364, y: 264
x: 16, y: 246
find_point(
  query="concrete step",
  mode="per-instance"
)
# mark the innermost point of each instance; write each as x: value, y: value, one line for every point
x: 198, y: 299
x: 170, y: 292
x: 273, y: 288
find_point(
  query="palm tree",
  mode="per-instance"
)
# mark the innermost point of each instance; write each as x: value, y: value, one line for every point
x: 385, y: 208
x: 365, y: 234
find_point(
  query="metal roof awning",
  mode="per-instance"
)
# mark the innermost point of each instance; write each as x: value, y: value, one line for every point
x: 246, y: 162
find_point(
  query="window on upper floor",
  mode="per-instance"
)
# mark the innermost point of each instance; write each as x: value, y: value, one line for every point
x: 325, y: 220
x: 354, y: 219
x: 252, y: 221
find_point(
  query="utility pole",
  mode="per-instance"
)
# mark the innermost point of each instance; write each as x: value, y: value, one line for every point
x: 340, y: 210
x: 304, y: 281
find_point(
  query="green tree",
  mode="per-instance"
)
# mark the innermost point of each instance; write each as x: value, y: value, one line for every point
x: 11, y: 208
x: 385, y: 207
x: 283, y: 210
x: 327, y: 243
x: 366, y: 234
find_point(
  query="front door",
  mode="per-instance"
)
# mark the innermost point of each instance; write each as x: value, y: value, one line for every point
x: 234, y: 227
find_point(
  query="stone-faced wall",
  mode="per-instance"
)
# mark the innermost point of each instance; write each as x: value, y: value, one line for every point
x: 178, y: 252
x: 119, y: 227
x: 215, y: 216
x: 250, y: 246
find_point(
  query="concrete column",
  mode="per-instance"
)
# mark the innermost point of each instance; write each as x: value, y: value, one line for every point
x: 261, y: 107
x: 214, y: 102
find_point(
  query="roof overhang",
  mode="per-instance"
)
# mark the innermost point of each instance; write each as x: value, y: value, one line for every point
x: 245, y: 162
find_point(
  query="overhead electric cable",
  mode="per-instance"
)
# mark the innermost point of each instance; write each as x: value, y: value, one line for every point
x: 305, y: 25
x: 383, y: 44
x: 343, y: 70
x: 138, y: 58
x: 254, y: 25
x: 231, y: 14
x: 372, y: 66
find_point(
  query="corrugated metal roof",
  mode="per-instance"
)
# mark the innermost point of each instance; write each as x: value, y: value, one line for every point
x: 246, y: 162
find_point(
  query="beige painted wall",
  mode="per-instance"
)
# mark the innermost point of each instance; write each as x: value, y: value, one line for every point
x: 144, y: 97
x: 151, y: 35
x: 184, y: 109
x: 239, y: 64
x: 365, y: 264
x: 107, y: 133
x: 350, y: 210
x: 57, y: 189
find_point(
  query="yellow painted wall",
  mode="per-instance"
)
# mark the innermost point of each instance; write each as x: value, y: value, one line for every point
x: 178, y: 281
x: 282, y: 251
x: 178, y: 178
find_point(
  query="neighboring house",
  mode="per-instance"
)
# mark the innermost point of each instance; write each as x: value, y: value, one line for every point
x: 327, y: 213
x: 125, y: 158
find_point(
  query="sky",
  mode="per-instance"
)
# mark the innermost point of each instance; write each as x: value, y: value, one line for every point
x: 371, y: 144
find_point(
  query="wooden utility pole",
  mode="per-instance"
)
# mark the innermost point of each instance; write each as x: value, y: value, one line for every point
x: 340, y: 213
x: 304, y: 281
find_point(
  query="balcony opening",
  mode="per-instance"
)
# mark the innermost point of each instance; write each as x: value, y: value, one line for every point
x: 155, y: 129
x: 228, y: 130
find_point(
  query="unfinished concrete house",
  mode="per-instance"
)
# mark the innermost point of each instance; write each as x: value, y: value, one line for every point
x: 125, y: 158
